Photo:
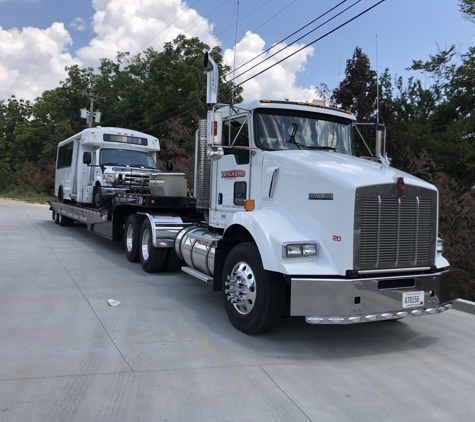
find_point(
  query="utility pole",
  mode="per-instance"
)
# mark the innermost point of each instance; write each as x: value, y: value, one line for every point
x: 89, y: 114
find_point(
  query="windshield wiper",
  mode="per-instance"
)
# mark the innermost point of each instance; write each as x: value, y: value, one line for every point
x: 292, y: 137
x: 322, y: 147
x: 112, y: 164
x: 141, y: 166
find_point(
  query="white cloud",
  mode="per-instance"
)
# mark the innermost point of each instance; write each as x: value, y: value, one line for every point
x: 133, y: 25
x: 277, y: 82
x: 78, y: 24
x: 33, y: 60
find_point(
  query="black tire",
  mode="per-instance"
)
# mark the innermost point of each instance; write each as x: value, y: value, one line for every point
x: 132, y: 237
x: 151, y: 258
x: 262, y: 294
x: 63, y: 221
x: 60, y: 194
x: 172, y: 261
x: 98, y: 200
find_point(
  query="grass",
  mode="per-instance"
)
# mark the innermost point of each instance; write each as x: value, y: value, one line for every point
x: 31, y: 197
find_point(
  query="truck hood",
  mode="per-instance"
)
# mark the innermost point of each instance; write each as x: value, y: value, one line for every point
x: 347, y: 171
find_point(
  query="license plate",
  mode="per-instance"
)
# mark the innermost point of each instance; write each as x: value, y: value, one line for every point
x: 412, y: 299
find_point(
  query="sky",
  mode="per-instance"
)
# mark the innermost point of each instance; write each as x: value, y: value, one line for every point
x: 39, y: 38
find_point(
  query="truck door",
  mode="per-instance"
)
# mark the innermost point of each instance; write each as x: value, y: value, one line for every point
x: 232, y: 171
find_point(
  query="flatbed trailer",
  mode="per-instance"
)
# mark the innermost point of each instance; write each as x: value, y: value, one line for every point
x: 122, y: 218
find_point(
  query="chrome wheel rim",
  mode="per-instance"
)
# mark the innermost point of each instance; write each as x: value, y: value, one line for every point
x: 145, y: 246
x: 241, y: 291
x: 129, y: 237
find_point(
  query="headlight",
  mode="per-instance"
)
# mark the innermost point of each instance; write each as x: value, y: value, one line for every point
x: 298, y: 250
x: 109, y: 177
x: 440, y: 246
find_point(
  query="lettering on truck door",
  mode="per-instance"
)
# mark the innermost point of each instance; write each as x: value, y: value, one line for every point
x: 233, y: 169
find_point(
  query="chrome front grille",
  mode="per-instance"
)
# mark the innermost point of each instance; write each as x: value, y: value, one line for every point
x: 394, y: 232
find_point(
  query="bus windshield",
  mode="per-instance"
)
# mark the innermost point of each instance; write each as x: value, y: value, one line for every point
x: 278, y: 129
x: 123, y: 157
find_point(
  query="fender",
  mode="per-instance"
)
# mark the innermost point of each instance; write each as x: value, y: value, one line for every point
x: 270, y: 228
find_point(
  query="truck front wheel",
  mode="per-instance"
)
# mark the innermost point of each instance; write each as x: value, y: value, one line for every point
x: 151, y: 258
x: 253, y: 297
x: 132, y: 237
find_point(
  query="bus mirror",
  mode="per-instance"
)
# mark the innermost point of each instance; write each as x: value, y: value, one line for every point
x: 87, y: 158
x: 169, y: 166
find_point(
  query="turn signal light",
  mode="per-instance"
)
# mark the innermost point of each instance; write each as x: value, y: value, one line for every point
x: 249, y: 204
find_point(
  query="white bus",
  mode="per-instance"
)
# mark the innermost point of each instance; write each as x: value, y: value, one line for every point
x: 99, y: 162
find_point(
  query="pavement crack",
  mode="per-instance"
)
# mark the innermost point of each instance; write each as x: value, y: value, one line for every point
x: 283, y: 392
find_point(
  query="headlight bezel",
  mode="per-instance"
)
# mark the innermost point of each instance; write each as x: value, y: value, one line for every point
x: 307, y: 249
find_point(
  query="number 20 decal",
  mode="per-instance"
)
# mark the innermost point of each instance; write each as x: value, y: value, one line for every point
x: 337, y: 238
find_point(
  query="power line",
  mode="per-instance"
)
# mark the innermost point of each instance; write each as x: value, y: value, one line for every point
x: 286, y: 38
x: 314, y: 41
x: 298, y: 39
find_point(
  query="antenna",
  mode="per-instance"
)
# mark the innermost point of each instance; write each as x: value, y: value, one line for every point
x: 235, y: 48
x: 377, y: 85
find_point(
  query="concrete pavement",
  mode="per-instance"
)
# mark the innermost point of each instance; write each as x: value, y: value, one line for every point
x: 168, y: 352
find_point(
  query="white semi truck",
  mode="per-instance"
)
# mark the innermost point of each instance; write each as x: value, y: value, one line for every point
x: 285, y: 220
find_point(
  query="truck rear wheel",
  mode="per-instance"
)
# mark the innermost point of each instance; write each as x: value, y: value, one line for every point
x: 151, y: 258
x: 132, y: 237
x: 253, y: 297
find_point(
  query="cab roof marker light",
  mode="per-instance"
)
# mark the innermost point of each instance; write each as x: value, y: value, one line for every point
x: 322, y: 106
x: 265, y: 101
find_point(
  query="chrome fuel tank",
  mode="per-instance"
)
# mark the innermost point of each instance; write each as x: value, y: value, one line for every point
x: 197, y: 246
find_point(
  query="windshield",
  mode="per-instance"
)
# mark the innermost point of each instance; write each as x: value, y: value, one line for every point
x: 123, y: 157
x: 291, y: 129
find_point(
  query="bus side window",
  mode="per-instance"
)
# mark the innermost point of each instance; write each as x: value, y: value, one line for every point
x: 232, y: 128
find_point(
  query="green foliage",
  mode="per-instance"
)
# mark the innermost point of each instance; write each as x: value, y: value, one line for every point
x: 145, y: 92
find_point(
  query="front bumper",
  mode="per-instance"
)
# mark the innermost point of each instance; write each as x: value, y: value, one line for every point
x: 346, y: 301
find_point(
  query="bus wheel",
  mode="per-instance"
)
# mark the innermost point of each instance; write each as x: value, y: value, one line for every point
x: 253, y: 297
x: 132, y: 237
x: 60, y: 194
x: 151, y: 258
x: 98, y: 200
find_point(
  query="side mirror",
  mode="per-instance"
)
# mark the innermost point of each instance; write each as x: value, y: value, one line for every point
x: 215, y: 129
x: 87, y: 158
x: 380, y: 144
x: 169, y: 166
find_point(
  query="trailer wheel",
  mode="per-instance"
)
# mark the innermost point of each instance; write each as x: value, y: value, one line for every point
x: 98, y: 200
x: 253, y: 297
x: 132, y: 237
x: 62, y: 220
x: 151, y: 258
x: 172, y: 261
